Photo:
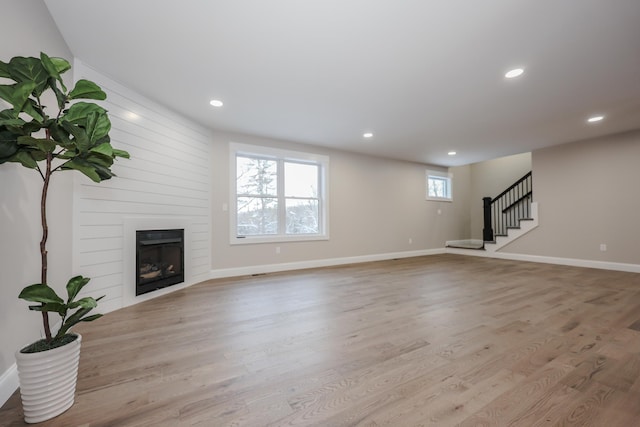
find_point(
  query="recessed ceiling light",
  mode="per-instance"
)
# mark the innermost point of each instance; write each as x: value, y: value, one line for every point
x: 216, y: 103
x: 595, y: 119
x: 367, y: 135
x: 452, y: 153
x: 516, y: 72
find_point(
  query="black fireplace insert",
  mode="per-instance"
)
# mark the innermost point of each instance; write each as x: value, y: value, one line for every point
x: 159, y: 259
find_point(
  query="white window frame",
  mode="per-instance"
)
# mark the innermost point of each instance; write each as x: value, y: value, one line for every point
x: 271, y: 153
x: 445, y: 176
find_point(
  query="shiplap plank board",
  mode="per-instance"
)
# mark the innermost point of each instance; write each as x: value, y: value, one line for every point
x: 112, y: 280
x: 92, y: 258
x: 98, y: 245
x: 139, y: 186
x: 103, y: 268
x: 136, y: 208
x: 128, y: 196
x: 165, y: 176
x: 100, y: 231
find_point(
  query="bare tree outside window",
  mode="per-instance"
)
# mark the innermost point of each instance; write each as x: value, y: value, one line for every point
x: 257, y: 196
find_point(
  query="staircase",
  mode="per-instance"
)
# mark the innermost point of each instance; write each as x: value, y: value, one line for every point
x: 509, y: 215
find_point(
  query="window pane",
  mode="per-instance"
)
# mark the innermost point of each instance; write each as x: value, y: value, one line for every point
x: 438, y: 187
x: 257, y: 215
x: 258, y: 177
x: 300, y: 180
x: 302, y: 216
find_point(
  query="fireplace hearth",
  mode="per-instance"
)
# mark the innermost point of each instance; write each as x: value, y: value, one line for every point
x: 159, y: 259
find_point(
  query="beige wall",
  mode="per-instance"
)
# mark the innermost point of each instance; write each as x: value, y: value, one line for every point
x: 588, y: 194
x: 376, y: 206
x: 26, y: 30
x: 490, y: 178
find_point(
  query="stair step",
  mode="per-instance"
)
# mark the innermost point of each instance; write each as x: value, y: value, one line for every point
x: 472, y: 244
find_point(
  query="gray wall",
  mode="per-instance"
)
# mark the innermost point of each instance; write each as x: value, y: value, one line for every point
x: 26, y: 31
x: 588, y: 193
x: 376, y: 206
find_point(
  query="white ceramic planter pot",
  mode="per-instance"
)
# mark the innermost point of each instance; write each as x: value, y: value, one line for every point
x: 48, y: 381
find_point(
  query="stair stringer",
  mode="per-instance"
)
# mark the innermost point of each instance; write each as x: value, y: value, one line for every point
x: 526, y: 225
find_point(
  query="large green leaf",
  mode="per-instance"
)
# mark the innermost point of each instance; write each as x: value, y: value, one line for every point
x: 100, y: 161
x: 12, y: 122
x: 74, y: 285
x: 104, y: 148
x: 80, y: 138
x: 104, y: 172
x: 60, y: 135
x: 51, y: 68
x: 86, y: 89
x: 23, y: 69
x: 91, y: 318
x: 79, y: 112
x: 86, y: 302
x: 98, y: 126
x: 40, y: 293
x: 44, y: 145
x: 120, y: 153
x: 31, y: 108
x: 59, y: 308
x: 25, y: 159
x: 8, y: 146
x: 83, y: 166
x: 61, y: 64
x: 37, y: 155
x: 17, y: 94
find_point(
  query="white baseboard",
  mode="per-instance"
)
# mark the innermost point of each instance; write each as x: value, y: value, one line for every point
x: 8, y: 383
x: 572, y: 262
x: 273, y: 268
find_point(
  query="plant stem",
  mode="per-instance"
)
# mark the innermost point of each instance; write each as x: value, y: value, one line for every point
x: 45, y: 235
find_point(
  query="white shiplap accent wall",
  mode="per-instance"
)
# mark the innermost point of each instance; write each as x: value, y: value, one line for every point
x: 167, y: 179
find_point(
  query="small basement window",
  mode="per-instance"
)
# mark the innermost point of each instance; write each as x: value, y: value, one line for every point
x: 439, y: 186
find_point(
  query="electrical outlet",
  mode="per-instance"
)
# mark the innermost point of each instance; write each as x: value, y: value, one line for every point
x: 603, y: 247
x: 277, y: 249
x: 410, y: 240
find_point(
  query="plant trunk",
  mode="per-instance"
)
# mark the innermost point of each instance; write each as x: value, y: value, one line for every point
x: 45, y: 235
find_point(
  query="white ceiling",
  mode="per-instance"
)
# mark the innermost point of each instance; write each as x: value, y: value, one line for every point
x: 425, y: 76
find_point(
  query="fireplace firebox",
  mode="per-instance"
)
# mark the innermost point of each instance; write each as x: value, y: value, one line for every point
x: 159, y: 259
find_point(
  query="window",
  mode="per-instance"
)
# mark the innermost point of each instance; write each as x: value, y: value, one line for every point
x: 279, y: 195
x: 439, y: 186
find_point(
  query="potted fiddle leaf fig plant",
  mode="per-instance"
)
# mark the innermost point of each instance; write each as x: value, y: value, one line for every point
x: 69, y: 135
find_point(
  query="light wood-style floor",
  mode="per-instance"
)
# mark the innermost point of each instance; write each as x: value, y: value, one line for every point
x: 440, y: 340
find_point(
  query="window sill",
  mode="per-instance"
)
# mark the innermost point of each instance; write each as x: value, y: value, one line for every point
x: 253, y: 240
x: 439, y: 199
